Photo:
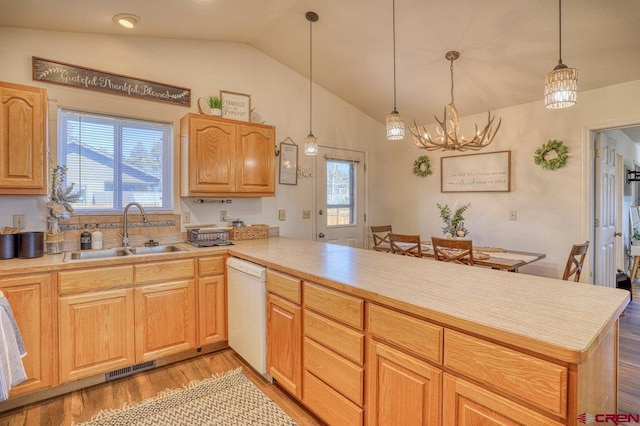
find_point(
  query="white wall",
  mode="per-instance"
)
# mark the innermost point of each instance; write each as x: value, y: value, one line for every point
x: 549, y: 204
x: 280, y: 97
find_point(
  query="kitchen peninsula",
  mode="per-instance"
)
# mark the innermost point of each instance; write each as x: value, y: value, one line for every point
x: 453, y: 341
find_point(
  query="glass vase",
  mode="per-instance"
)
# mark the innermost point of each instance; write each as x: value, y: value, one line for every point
x: 54, y: 237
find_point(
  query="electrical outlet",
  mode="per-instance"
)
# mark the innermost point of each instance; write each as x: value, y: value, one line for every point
x: 20, y: 221
x: 306, y: 214
x: 513, y: 215
x: 223, y: 215
x: 282, y: 214
x: 186, y: 217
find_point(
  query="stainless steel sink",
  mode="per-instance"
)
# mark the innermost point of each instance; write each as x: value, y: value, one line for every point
x: 156, y: 249
x: 96, y: 254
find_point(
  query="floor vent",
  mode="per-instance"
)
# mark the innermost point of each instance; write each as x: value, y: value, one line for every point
x: 127, y: 371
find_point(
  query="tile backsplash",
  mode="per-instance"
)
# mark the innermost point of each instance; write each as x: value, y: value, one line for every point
x: 163, y: 228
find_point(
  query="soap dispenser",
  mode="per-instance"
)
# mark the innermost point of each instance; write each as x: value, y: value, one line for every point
x: 96, y: 239
x: 85, y: 239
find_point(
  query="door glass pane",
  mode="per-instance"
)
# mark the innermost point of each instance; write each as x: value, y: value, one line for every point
x: 340, y: 190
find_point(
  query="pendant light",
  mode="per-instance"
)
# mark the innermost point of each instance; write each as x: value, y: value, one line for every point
x: 561, y: 84
x: 311, y: 142
x: 395, y: 120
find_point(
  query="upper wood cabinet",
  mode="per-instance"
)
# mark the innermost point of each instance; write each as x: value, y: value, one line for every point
x: 223, y: 157
x: 22, y: 139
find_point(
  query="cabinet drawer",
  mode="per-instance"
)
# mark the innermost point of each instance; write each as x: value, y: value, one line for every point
x: 412, y: 334
x: 341, y: 339
x: 94, y: 279
x: 211, y: 265
x: 165, y: 271
x: 334, y: 304
x: 284, y: 286
x: 537, y: 381
x: 328, y: 404
x: 342, y: 375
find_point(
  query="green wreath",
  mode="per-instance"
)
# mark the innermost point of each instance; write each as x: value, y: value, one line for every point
x: 562, y: 153
x: 422, y: 166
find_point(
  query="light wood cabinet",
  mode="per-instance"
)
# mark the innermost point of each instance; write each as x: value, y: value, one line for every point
x: 95, y: 333
x: 30, y: 299
x: 284, y: 331
x: 23, y: 115
x: 212, y: 306
x: 165, y: 311
x: 226, y: 157
x: 466, y: 404
x: 402, y: 389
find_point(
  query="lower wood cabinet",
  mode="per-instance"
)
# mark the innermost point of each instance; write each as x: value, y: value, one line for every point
x: 284, y: 343
x: 466, y: 404
x: 212, y: 300
x: 402, y: 390
x: 95, y: 333
x: 165, y: 319
x: 30, y: 299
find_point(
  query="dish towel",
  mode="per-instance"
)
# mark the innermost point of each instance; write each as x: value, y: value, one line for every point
x: 11, y: 350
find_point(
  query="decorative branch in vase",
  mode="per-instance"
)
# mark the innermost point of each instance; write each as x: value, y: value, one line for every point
x: 454, y: 223
x: 59, y: 206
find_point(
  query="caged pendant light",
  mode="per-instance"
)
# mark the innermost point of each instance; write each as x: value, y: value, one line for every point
x: 311, y: 142
x: 395, y: 120
x: 561, y: 84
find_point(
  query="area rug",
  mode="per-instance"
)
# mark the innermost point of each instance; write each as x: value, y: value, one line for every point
x: 227, y: 399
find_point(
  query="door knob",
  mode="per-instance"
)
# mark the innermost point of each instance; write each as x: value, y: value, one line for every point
x: 321, y: 235
x: 617, y: 234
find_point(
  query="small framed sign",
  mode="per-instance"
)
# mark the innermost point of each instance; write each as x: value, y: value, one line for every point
x: 236, y: 106
x: 288, y: 163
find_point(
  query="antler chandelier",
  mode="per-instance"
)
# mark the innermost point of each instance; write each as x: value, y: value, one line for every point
x: 448, y: 136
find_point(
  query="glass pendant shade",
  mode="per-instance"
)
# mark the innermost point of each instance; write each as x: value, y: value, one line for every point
x: 395, y: 126
x: 311, y: 145
x: 561, y: 87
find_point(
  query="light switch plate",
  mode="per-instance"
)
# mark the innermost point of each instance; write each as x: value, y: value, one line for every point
x: 223, y: 215
x: 306, y: 214
x: 20, y: 221
x: 186, y: 217
x: 282, y: 214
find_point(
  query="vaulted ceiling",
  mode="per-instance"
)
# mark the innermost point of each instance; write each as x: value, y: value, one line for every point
x: 506, y: 46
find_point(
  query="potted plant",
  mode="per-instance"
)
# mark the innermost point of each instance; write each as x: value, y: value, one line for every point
x: 215, y: 105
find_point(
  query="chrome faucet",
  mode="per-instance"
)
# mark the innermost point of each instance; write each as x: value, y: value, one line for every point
x: 125, y: 232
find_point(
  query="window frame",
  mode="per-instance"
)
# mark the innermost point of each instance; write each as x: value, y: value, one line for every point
x: 353, y: 217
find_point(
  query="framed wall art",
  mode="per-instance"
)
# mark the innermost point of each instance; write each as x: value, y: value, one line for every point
x: 288, y: 162
x: 487, y: 172
x: 236, y: 106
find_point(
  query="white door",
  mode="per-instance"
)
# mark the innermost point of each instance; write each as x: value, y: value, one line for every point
x: 606, y: 211
x: 340, y: 214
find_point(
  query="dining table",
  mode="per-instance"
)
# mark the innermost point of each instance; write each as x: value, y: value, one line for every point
x: 492, y: 257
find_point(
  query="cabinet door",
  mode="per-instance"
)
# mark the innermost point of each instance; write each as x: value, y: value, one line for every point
x: 22, y: 139
x: 30, y: 300
x: 256, y: 159
x: 284, y: 343
x: 212, y: 156
x: 165, y: 319
x: 466, y: 404
x: 212, y: 313
x: 96, y: 333
x: 402, y: 390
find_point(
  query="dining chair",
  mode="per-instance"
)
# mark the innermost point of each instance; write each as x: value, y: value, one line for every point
x: 406, y: 245
x: 455, y: 251
x: 575, y: 262
x: 381, y: 238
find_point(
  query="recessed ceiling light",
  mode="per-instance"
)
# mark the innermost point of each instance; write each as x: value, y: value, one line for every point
x: 127, y: 20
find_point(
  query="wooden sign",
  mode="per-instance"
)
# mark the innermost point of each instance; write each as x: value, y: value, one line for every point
x: 488, y: 172
x: 87, y: 78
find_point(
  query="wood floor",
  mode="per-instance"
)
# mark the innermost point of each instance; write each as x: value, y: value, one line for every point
x: 80, y: 405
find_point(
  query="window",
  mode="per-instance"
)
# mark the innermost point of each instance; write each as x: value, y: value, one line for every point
x: 340, y: 192
x: 114, y: 161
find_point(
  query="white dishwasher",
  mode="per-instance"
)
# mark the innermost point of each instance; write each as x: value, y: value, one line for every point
x: 247, y: 311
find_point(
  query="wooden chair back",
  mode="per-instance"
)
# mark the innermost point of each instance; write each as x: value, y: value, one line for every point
x: 455, y: 251
x: 381, y: 238
x: 406, y: 245
x: 575, y: 262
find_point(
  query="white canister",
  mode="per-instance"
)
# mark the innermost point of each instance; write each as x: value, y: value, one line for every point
x: 96, y: 240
